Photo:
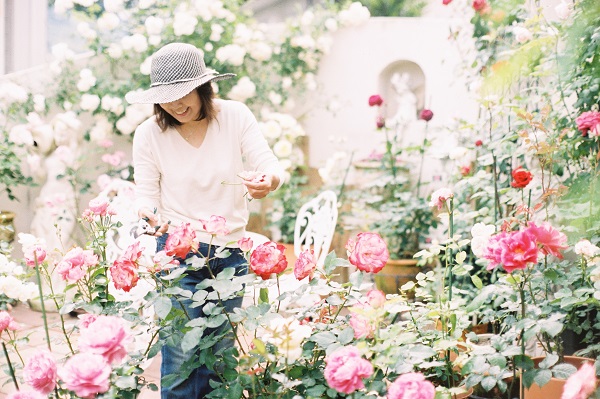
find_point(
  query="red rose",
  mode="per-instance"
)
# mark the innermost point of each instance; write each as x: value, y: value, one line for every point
x: 521, y: 177
x: 478, y: 143
x: 375, y: 100
x: 426, y: 115
x: 480, y: 6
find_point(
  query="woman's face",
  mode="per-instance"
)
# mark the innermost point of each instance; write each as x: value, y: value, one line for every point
x: 186, y: 109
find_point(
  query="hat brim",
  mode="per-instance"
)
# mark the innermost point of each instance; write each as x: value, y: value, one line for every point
x: 171, y: 92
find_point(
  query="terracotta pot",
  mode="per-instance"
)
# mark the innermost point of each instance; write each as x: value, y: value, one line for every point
x: 395, y: 274
x: 554, y: 388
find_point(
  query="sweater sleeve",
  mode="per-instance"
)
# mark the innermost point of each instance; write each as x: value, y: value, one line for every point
x: 255, y: 148
x: 145, y: 170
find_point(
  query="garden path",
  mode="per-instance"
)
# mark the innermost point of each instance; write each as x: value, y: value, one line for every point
x: 31, y: 324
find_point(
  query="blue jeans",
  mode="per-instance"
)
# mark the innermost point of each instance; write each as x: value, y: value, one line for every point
x: 173, y: 357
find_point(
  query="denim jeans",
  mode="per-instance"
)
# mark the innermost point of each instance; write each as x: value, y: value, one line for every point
x: 173, y: 357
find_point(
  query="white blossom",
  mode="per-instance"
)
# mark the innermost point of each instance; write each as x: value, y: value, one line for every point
x: 62, y: 52
x: 112, y: 104
x: 283, y: 148
x: 154, y: 25
x: 136, y: 42
x: 89, y: 102
x: 114, y: 51
x: 232, y: 54
x: 271, y: 129
x: 522, y: 34
x: 113, y: 5
x: 587, y: 249
x: 66, y: 127
x: 102, y: 129
x: 303, y: 41
x: 355, y: 15
x: 62, y: 6
x: 86, y: 31
x: 184, y: 24
x: 275, y: 98
x: 108, y: 21
x: 216, y: 31
x: 87, y: 80
x: 564, y: 10
x: 20, y: 135
x: 12, y: 93
x: 260, y: 51
x: 331, y: 24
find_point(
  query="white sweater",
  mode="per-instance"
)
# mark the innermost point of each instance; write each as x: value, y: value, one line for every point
x: 184, y: 183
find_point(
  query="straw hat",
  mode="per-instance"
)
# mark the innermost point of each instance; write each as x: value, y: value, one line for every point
x: 177, y: 69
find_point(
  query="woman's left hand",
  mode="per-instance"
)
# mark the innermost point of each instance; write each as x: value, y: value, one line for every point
x: 259, y: 184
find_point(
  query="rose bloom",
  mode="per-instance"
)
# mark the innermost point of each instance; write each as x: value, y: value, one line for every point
x: 521, y: 177
x: 550, y: 240
x: 586, y: 248
x: 440, y: 196
x: 376, y: 298
x: 515, y: 251
x: 162, y: 261
x: 105, y: 336
x: 34, y: 255
x: 588, y: 121
x: 245, y: 244
x: 345, y: 370
x: 87, y: 374
x: 362, y: 326
x: 582, y: 384
x: 375, y: 100
x: 99, y: 205
x: 75, y: 264
x: 380, y: 122
x: 7, y: 322
x: 480, y: 6
x: 124, y: 274
x: 268, y: 258
x: 478, y: 143
x: 40, y: 372
x: 305, y: 264
x: 446, y: 2
x: 411, y: 386
x: 26, y: 395
x: 181, y: 241
x: 426, y: 115
x: 216, y: 225
x: 253, y: 176
x: 86, y: 319
x: 368, y: 252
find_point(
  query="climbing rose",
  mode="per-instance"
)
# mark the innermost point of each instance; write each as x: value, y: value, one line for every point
x: 216, y: 225
x: 582, y: 384
x: 305, y: 264
x: 105, y: 336
x: 368, y: 252
x: 76, y: 263
x: 40, y: 372
x: 345, y: 370
x: 411, y: 386
x: 426, y: 115
x: 86, y: 374
x: 375, y: 100
x: 181, y: 241
x: 521, y: 177
x: 268, y: 258
x: 589, y: 121
x: 440, y: 196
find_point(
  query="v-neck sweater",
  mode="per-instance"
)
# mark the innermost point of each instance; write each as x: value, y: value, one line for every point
x: 185, y: 183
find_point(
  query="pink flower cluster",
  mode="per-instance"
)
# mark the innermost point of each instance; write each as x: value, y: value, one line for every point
x: 99, y: 206
x: 411, y: 386
x: 589, y: 122
x: 102, y: 342
x: 7, y: 322
x: 75, y: 264
x: 516, y: 249
x: 345, y: 370
x: 124, y: 270
x: 267, y: 259
x: 368, y: 252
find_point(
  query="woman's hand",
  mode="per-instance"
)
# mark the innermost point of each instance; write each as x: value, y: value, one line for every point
x: 259, y: 184
x: 153, y: 220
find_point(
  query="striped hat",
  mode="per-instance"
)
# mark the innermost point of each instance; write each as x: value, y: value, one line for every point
x: 177, y: 69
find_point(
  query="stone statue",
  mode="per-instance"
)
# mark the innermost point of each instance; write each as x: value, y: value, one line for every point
x: 406, y: 101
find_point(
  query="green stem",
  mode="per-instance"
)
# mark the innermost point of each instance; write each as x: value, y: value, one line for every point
x: 422, y: 150
x: 43, y: 306
x: 450, y: 252
x: 11, y: 370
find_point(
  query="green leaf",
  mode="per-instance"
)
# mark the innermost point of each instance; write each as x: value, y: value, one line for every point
x: 191, y: 339
x: 235, y: 390
x: 126, y: 382
x: 174, y: 273
x: 549, y: 361
x: 324, y: 339
x: 563, y: 370
x: 488, y: 382
x: 263, y: 296
x: 346, y: 336
x: 542, y: 377
x: 477, y: 282
x: 524, y: 362
x: 460, y: 257
x: 226, y: 274
x: 162, y: 307
x: 316, y: 391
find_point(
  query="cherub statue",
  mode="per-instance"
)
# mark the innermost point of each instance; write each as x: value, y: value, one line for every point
x: 406, y: 101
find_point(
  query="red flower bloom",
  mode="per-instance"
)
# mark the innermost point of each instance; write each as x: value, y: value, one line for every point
x: 480, y: 6
x: 181, y: 241
x: 478, y: 143
x: 426, y: 115
x: 268, y: 258
x: 380, y: 122
x: 446, y: 2
x: 521, y: 177
x: 375, y: 100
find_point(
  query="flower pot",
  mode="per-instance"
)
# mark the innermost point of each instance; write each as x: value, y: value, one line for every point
x: 554, y: 388
x: 395, y: 274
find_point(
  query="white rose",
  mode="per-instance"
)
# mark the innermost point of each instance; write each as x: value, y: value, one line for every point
x: 86, y: 31
x: 39, y: 103
x: 208, y: 46
x: 87, y: 80
x: 260, y: 51
x: 355, y: 15
x: 154, y: 40
x: 232, y: 54
x: 137, y: 42
x: 125, y: 126
x: 303, y: 41
x: 243, y: 90
x: 62, y: 6
x: 271, y: 129
x: 586, y: 248
x: 331, y: 24
x: 89, y: 102
x: 20, y: 135
x: 113, y: 5
x: 522, y: 35
x: 275, y: 98
x: 282, y: 149
x: 11, y: 93
x: 286, y: 82
x: 114, y: 51
x: 108, y: 21
x: 154, y: 25
x: 184, y: 24
x: 62, y: 52
x: 65, y: 154
x: 101, y: 130
x: 145, y: 4
x: 216, y: 31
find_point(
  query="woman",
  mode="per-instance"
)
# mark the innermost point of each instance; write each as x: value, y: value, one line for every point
x: 181, y: 157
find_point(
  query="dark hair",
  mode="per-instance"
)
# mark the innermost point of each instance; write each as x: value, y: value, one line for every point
x: 207, y: 108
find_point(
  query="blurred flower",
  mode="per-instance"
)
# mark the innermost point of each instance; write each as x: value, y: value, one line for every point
x: 305, y: 265
x: 589, y: 121
x: 440, y: 196
x: 40, y: 372
x: 86, y: 374
x: 105, y: 336
x: 411, y: 386
x: 375, y: 100
x: 426, y: 115
x: 368, y: 252
x: 215, y: 225
x: 582, y: 384
x: 346, y: 369
x: 521, y: 177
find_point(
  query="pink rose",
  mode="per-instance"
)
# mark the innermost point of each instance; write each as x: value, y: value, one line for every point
x: 589, y: 121
x: 514, y: 250
x: 86, y: 319
x: 7, y: 322
x: 106, y: 336
x: 446, y: 2
x: 375, y: 100
x: 40, y: 372
x: 411, y: 386
x: 368, y: 252
x: 181, y: 241
x: 376, y: 298
x: 162, y: 261
x: 99, y: 205
x: 245, y: 244
x: 26, y: 395
x: 34, y: 254
x: 124, y: 274
x: 582, y: 384
x: 426, y: 115
x: 215, y: 226
x: 440, y: 196
x: 481, y: 6
x: 362, y: 326
x: 305, y: 264
x: 550, y: 240
x: 75, y: 263
x: 86, y: 374
x: 268, y: 258
x: 493, y: 251
x: 345, y: 370
x: 88, y: 215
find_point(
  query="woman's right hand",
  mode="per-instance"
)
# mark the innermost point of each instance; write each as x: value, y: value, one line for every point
x: 153, y: 220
